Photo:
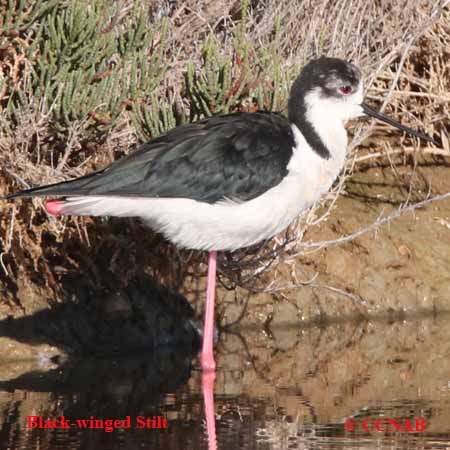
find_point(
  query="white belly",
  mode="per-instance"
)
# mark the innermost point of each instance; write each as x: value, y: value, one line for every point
x: 224, y: 226
x: 228, y: 225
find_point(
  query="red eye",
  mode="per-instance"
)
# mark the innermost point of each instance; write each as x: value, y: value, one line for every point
x: 346, y: 89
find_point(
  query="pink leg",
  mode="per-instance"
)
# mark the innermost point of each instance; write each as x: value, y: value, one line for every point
x: 208, y: 378
x: 208, y: 362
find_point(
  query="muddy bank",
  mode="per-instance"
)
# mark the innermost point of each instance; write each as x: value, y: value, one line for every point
x: 401, y: 268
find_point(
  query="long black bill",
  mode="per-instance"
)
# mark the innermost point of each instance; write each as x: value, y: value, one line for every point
x: 371, y: 112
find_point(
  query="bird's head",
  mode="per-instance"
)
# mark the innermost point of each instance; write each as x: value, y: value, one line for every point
x: 332, y: 87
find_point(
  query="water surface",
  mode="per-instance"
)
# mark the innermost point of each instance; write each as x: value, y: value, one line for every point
x: 293, y: 387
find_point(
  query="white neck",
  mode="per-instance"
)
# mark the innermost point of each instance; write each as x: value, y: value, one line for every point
x: 314, y: 171
x: 327, y: 118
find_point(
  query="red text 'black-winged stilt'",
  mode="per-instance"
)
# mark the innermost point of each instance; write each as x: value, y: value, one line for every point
x: 230, y: 181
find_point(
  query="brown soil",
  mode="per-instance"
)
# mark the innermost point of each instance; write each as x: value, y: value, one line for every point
x: 400, y: 269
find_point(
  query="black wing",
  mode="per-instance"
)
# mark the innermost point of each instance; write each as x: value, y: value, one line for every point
x: 237, y: 156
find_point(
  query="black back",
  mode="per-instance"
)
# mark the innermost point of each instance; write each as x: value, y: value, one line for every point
x: 236, y: 156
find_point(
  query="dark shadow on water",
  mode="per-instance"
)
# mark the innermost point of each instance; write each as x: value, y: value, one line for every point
x: 119, y: 354
x: 141, y: 374
x: 102, y: 389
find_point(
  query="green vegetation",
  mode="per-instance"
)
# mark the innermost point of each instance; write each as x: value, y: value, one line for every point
x: 94, y: 61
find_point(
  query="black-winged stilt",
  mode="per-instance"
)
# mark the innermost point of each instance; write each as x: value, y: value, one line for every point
x: 230, y: 181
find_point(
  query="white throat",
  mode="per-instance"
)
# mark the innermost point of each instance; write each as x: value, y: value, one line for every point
x: 325, y: 117
x: 328, y: 115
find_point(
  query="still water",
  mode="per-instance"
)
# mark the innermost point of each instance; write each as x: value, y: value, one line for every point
x: 341, y: 385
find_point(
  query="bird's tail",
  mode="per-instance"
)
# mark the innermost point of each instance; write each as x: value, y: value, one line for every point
x: 90, y: 195
x: 101, y: 206
x: 77, y: 187
x: 92, y: 205
x: 74, y: 206
x: 78, y: 202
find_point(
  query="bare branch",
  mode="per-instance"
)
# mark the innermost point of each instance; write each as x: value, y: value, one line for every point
x: 380, y: 221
